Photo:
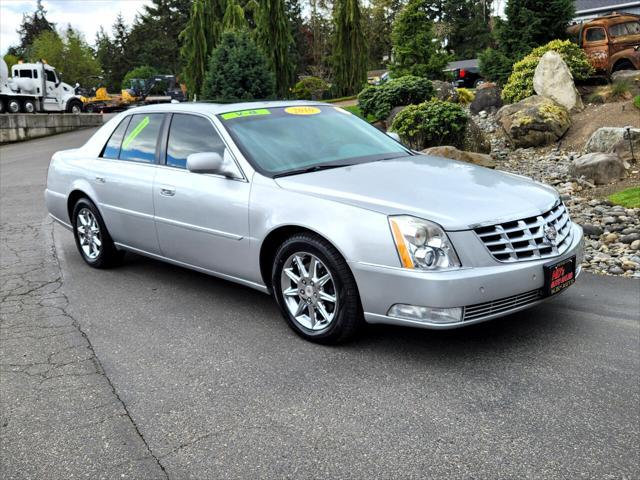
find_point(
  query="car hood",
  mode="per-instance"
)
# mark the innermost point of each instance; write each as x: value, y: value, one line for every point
x: 454, y: 194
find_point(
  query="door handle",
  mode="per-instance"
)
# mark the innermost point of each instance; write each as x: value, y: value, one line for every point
x: 100, y: 179
x: 167, y: 191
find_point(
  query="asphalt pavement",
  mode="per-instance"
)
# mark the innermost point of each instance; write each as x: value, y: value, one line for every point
x: 154, y: 371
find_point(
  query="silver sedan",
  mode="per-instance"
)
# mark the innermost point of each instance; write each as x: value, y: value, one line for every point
x: 340, y: 222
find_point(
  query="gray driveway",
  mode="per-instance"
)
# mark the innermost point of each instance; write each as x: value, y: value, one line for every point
x: 152, y: 371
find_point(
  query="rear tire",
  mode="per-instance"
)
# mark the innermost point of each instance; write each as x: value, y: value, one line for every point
x: 92, y: 237
x: 29, y: 106
x: 315, y: 290
x: 13, y: 106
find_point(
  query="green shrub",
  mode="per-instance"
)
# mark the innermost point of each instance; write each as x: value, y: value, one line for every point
x: 495, y: 66
x: 621, y: 90
x: 430, y: 124
x: 465, y: 96
x: 310, y: 88
x: 238, y: 70
x: 520, y: 83
x: 378, y: 101
x: 636, y: 101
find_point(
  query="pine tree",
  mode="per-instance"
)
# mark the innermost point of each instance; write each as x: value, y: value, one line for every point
x: 30, y: 28
x: 415, y: 46
x: 274, y: 36
x: 350, y: 52
x: 531, y: 23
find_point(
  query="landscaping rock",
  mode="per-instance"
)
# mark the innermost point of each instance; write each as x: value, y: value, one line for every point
x: 553, y: 79
x: 626, y: 144
x: 475, y: 140
x: 445, y: 91
x: 488, y: 99
x: 591, y: 230
x: 453, y: 153
x: 600, y: 168
x: 534, y: 121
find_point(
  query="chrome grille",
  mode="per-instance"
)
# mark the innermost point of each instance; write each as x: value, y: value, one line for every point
x: 525, y: 239
x: 486, y: 309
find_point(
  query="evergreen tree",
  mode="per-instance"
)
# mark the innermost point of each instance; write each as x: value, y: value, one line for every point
x: 234, y: 18
x: 350, y: 52
x: 469, y: 30
x: 200, y: 36
x: 300, y: 48
x: 379, y: 19
x: 531, y: 23
x: 274, y: 36
x: 238, y: 70
x: 152, y: 40
x: 415, y: 46
x: 30, y: 28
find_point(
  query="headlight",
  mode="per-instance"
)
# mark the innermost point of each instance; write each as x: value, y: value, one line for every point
x: 422, y: 244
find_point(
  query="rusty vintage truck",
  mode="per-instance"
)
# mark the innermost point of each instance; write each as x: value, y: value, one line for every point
x: 611, y: 42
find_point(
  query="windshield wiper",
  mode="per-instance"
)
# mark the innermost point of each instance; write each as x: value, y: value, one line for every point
x: 314, y: 168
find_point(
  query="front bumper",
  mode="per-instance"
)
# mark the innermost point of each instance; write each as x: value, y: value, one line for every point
x: 487, y: 290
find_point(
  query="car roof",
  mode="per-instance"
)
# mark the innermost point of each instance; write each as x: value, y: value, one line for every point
x: 217, y: 108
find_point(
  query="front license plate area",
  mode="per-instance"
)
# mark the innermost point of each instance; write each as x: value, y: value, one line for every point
x: 560, y: 275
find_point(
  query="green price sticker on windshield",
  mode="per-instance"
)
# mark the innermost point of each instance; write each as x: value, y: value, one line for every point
x: 245, y: 113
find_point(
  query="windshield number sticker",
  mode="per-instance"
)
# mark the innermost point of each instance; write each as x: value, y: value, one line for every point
x: 245, y: 113
x: 302, y: 110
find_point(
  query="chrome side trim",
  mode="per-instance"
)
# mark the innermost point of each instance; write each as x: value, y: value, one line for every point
x: 248, y: 283
x: 126, y: 211
x: 196, y: 228
x: 61, y: 222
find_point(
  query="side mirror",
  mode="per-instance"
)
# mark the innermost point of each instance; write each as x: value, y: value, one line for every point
x: 208, y: 162
x: 395, y: 136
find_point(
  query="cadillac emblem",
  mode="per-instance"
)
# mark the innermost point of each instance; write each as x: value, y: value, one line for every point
x: 550, y: 234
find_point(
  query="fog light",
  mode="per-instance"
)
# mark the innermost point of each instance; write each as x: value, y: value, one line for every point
x: 426, y: 314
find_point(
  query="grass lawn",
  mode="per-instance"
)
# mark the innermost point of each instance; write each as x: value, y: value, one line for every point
x: 629, y: 198
x: 355, y: 109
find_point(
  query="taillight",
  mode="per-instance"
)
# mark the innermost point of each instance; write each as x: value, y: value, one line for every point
x: 463, y: 73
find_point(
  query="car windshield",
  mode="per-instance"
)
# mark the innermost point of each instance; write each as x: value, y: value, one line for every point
x: 288, y: 140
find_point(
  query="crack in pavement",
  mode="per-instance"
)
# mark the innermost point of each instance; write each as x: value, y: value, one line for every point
x: 42, y: 343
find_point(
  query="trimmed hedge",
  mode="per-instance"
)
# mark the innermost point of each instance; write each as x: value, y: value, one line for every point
x: 431, y: 124
x: 378, y: 101
x: 310, y: 88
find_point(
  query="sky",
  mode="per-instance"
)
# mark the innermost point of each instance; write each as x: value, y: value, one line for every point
x: 84, y: 15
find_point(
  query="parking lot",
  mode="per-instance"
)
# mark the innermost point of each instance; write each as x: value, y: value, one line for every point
x: 153, y: 371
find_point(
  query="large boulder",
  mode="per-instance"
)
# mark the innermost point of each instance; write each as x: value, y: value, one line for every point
x: 488, y: 98
x: 553, y: 79
x: 625, y: 143
x: 454, y: 154
x: 475, y: 140
x: 599, y: 168
x: 394, y: 111
x: 445, y: 91
x: 534, y: 121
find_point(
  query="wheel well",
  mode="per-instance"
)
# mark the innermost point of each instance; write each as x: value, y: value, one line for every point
x: 623, y: 62
x: 73, y: 199
x: 270, y: 246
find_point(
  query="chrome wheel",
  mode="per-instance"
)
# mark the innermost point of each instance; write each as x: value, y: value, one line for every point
x: 76, y: 108
x: 89, y: 233
x: 309, y: 291
x: 13, y: 106
x: 29, y: 107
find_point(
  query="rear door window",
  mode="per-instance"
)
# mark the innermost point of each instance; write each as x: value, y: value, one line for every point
x: 112, y: 148
x: 191, y: 134
x: 141, y: 138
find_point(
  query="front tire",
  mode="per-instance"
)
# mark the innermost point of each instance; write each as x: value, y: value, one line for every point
x: 315, y: 290
x: 92, y: 238
x: 74, y: 106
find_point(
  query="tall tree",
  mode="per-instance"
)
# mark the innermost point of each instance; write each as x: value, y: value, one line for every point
x: 152, y: 40
x: 531, y: 23
x: 350, y: 52
x: 378, y: 25
x: 31, y: 27
x: 200, y: 36
x: 300, y: 48
x: 416, y: 49
x: 69, y: 53
x: 234, y: 18
x: 274, y: 36
x: 468, y: 23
